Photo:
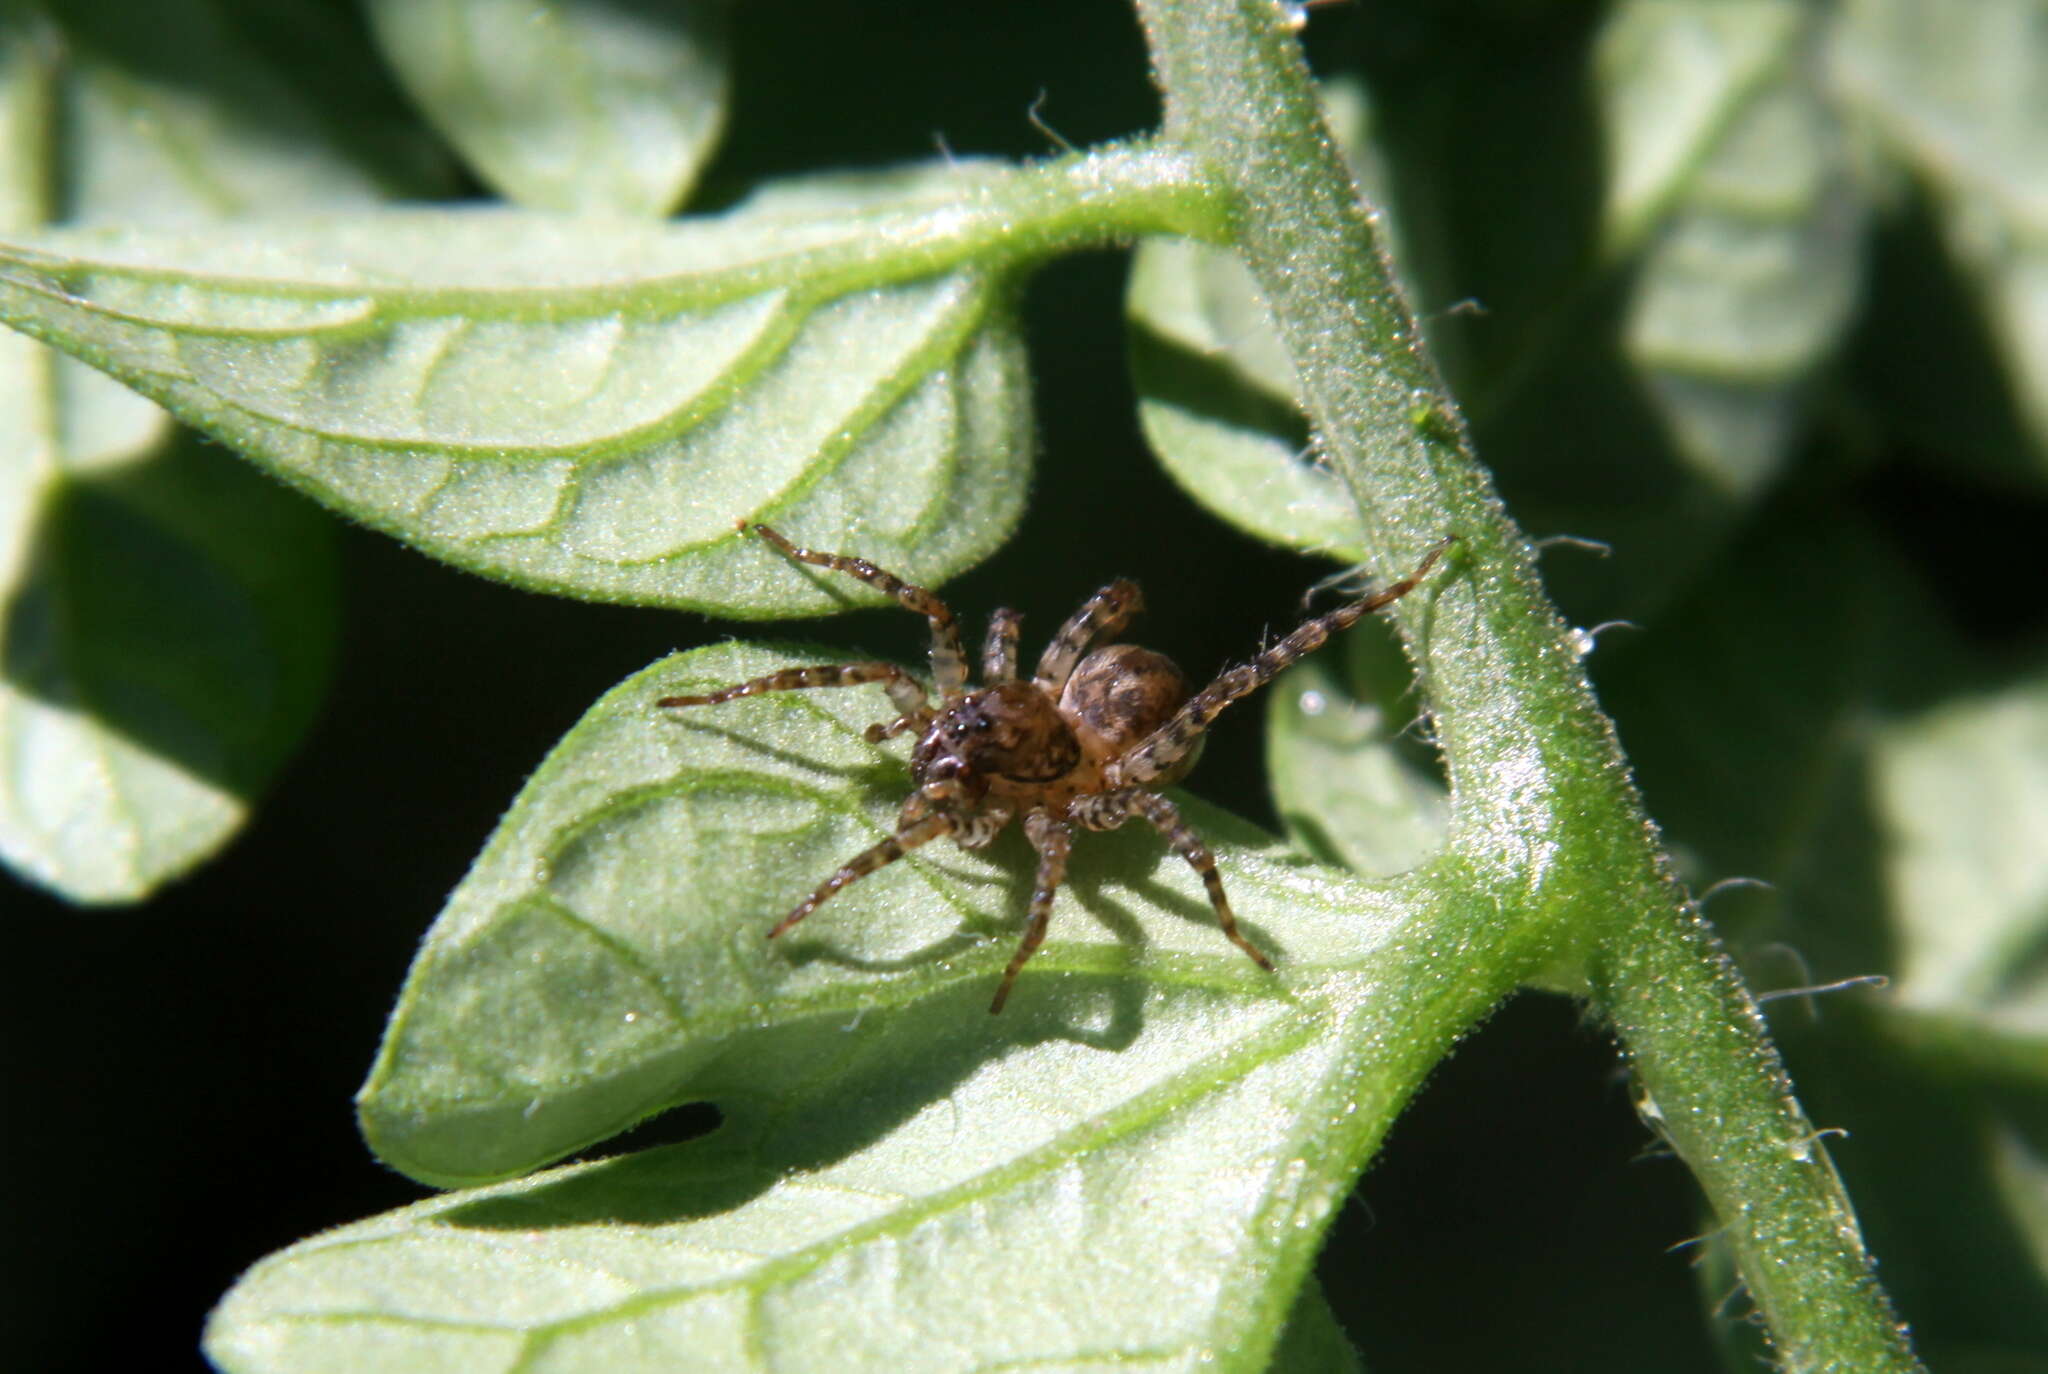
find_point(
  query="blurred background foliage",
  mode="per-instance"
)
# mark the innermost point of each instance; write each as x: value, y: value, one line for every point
x: 1751, y: 293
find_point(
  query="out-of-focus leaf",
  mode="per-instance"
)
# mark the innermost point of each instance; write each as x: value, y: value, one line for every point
x: 1962, y: 791
x: 180, y: 118
x: 166, y: 617
x: 1958, y: 93
x: 595, y: 106
x: 1343, y: 787
x: 163, y: 645
x: 1801, y: 719
x: 894, y: 1162
x: 1216, y: 390
x: 1731, y: 177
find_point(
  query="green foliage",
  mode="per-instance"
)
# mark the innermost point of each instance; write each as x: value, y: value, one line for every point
x: 1150, y: 1093
x: 606, y: 107
x: 829, y: 358
x: 1701, y: 234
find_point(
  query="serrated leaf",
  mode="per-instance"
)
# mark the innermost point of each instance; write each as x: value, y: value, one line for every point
x: 1216, y: 391
x: 1674, y: 74
x: 894, y: 1162
x: 594, y: 106
x: 1730, y: 177
x: 590, y: 407
x: 1958, y: 94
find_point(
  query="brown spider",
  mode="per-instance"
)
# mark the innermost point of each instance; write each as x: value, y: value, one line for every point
x: 1081, y: 742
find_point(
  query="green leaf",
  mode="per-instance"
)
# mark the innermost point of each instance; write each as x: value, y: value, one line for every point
x: 1216, y: 398
x: 1963, y: 791
x: 890, y: 1152
x: 1956, y: 94
x: 166, y: 617
x: 1313, y: 1342
x: 1346, y: 791
x: 167, y: 634
x: 1730, y: 183
x: 589, y: 407
x: 609, y: 942
x: 1216, y: 391
x: 184, y: 118
x: 605, y: 106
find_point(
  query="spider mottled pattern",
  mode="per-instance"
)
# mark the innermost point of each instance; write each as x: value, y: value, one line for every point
x: 1084, y: 741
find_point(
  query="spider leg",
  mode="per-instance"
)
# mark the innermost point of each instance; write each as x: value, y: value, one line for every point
x: 1160, y: 751
x: 1101, y: 617
x: 903, y: 689
x: 949, y: 663
x: 1108, y: 810
x: 1052, y: 839
x: 909, y: 720
x: 906, y: 838
x: 999, y: 650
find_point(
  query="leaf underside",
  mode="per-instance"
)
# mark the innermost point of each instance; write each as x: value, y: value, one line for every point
x: 889, y: 1151
x: 578, y: 406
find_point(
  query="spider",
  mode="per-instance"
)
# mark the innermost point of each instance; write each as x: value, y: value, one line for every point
x: 1083, y: 741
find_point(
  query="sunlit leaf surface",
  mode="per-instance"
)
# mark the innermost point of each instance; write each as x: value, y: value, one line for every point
x: 635, y: 434
x: 591, y: 407
x: 901, y: 1179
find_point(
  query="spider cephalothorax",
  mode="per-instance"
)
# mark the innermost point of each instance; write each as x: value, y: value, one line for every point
x: 1083, y: 741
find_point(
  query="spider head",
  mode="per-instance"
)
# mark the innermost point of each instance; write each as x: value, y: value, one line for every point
x: 1008, y: 732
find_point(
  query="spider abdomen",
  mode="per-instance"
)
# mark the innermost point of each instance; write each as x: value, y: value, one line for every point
x: 1119, y: 695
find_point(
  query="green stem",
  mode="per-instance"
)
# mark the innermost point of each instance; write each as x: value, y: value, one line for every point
x: 1547, y: 824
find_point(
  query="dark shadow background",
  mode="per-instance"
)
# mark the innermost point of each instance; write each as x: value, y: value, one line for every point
x: 180, y: 1074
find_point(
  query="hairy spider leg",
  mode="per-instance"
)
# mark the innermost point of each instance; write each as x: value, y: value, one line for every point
x: 1101, y: 618
x: 999, y: 649
x: 1052, y: 840
x: 907, y: 837
x: 1165, y: 747
x: 1108, y: 810
x: 904, y: 690
x: 949, y: 662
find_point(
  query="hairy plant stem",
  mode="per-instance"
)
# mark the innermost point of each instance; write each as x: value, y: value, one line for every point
x: 1547, y: 823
